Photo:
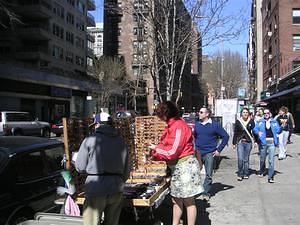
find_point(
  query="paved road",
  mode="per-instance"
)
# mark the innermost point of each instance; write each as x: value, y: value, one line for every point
x: 253, y: 201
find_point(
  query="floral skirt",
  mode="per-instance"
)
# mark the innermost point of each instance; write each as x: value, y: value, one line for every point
x: 186, y: 179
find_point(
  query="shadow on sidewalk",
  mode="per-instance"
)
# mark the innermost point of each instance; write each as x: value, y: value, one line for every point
x: 217, y: 187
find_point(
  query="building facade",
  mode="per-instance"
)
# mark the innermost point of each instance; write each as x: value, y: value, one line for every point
x: 97, y: 33
x: 281, y: 54
x: 255, y: 53
x: 44, y: 58
x: 128, y: 34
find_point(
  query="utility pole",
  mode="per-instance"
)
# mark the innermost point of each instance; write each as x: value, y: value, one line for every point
x: 222, y: 70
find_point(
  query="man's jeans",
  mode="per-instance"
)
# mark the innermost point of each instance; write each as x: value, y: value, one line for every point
x: 208, y: 161
x: 243, y: 153
x: 265, y: 150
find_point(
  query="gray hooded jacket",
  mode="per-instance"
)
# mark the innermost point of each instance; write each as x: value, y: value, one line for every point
x: 103, y: 156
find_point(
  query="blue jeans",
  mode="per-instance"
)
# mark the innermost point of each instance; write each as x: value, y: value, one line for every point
x: 268, y: 149
x: 208, y: 161
x: 243, y: 153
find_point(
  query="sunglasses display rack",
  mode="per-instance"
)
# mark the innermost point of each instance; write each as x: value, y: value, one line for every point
x: 75, y: 130
x: 138, y: 133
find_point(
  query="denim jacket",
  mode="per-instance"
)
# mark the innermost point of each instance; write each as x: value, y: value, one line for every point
x: 260, y: 126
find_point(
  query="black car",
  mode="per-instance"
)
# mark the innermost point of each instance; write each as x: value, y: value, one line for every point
x: 30, y: 173
x: 57, y: 128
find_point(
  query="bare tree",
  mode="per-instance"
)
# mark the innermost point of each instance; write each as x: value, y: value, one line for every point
x: 111, y: 75
x: 7, y: 16
x: 175, y: 27
x: 233, y: 73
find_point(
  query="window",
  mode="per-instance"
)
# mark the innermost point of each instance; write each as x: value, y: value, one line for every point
x: 80, y: 6
x: 89, y: 61
x: 296, y: 63
x: 79, y: 42
x: 70, y: 18
x: 52, y: 159
x: 139, y: 31
x: 296, y: 16
x: 58, y: 10
x: 296, y: 42
x: 79, y: 24
x: 10, y: 117
x: 57, y: 52
x: 71, y: 2
x: 79, y: 61
x: 58, y: 31
x: 70, y: 37
x: 69, y: 57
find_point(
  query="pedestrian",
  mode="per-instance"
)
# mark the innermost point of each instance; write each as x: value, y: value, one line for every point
x: 292, y: 125
x: 103, y: 157
x: 267, y: 130
x: 243, y: 140
x: 207, y: 133
x: 283, y: 120
x: 176, y: 148
x: 259, y: 114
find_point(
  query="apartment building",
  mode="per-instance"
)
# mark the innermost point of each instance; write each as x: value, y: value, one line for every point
x: 97, y: 33
x: 280, y: 53
x: 44, y: 58
x: 255, y: 53
x: 128, y: 34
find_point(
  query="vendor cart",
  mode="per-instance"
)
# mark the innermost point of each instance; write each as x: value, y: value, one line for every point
x: 147, y: 176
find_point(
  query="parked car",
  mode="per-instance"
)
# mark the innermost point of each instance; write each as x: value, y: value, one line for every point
x: 57, y: 128
x: 126, y: 114
x: 21, y: 123
x: 30, y: 173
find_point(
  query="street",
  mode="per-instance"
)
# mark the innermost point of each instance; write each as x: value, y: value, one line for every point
x: 252, y: 201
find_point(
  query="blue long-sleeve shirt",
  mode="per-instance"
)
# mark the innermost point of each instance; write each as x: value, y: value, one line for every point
x: 206, y: 137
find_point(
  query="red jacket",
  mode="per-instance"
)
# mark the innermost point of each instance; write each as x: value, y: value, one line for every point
x: 176, y: 142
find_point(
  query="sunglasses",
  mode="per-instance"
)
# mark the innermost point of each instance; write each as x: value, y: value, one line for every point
x: 267, y: 113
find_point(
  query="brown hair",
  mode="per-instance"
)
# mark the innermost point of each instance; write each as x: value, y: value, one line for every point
x: 167, y: 110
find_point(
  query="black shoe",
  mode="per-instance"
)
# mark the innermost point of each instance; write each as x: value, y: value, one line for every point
x: 290, y: 142
x: 271, y: 181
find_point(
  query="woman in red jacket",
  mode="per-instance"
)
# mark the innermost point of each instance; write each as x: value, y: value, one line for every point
x: 176, y: 148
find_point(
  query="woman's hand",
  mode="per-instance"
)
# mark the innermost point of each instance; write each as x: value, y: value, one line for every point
x: 152, y: 146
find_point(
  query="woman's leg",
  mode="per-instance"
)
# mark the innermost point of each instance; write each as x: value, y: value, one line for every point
x: 247, y: 151
x: 240, y: 155
x: 191, y: 210
x: 177, y: 210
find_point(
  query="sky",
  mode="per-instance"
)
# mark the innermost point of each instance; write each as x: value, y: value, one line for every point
x: 239, y: 44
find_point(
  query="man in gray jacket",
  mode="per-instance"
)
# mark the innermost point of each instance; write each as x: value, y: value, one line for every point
x: 103, y: 157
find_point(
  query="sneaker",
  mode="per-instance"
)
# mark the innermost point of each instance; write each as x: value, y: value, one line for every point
x: 290, y: 142
x: 239, y: 178
x: 260, y: 175
x: 271, y: 181
x: 246, y: 177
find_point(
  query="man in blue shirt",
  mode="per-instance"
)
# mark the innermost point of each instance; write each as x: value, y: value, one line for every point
x: 206, y: 135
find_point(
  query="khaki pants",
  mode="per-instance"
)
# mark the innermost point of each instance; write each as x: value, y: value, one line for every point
x: 110, y: 205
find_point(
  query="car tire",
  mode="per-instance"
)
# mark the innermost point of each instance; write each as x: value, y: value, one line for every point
x: 17, y: 132
x: 46, y: 133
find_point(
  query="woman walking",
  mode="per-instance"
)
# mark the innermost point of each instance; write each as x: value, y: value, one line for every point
x: 176, y: 148
x: 284, y: 122
x: 243, y: 139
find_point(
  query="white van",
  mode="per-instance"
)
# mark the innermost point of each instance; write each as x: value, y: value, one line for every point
x: 21, y: 123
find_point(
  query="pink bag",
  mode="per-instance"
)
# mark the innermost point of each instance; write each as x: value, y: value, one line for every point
x: 71, y: 208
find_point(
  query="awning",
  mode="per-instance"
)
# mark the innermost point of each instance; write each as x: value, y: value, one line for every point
x: 282, y: 93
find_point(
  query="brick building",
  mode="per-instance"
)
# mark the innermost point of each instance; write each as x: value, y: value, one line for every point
x: 127, y: 35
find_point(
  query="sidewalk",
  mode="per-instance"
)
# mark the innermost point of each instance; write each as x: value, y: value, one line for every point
x: 255, y: 201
